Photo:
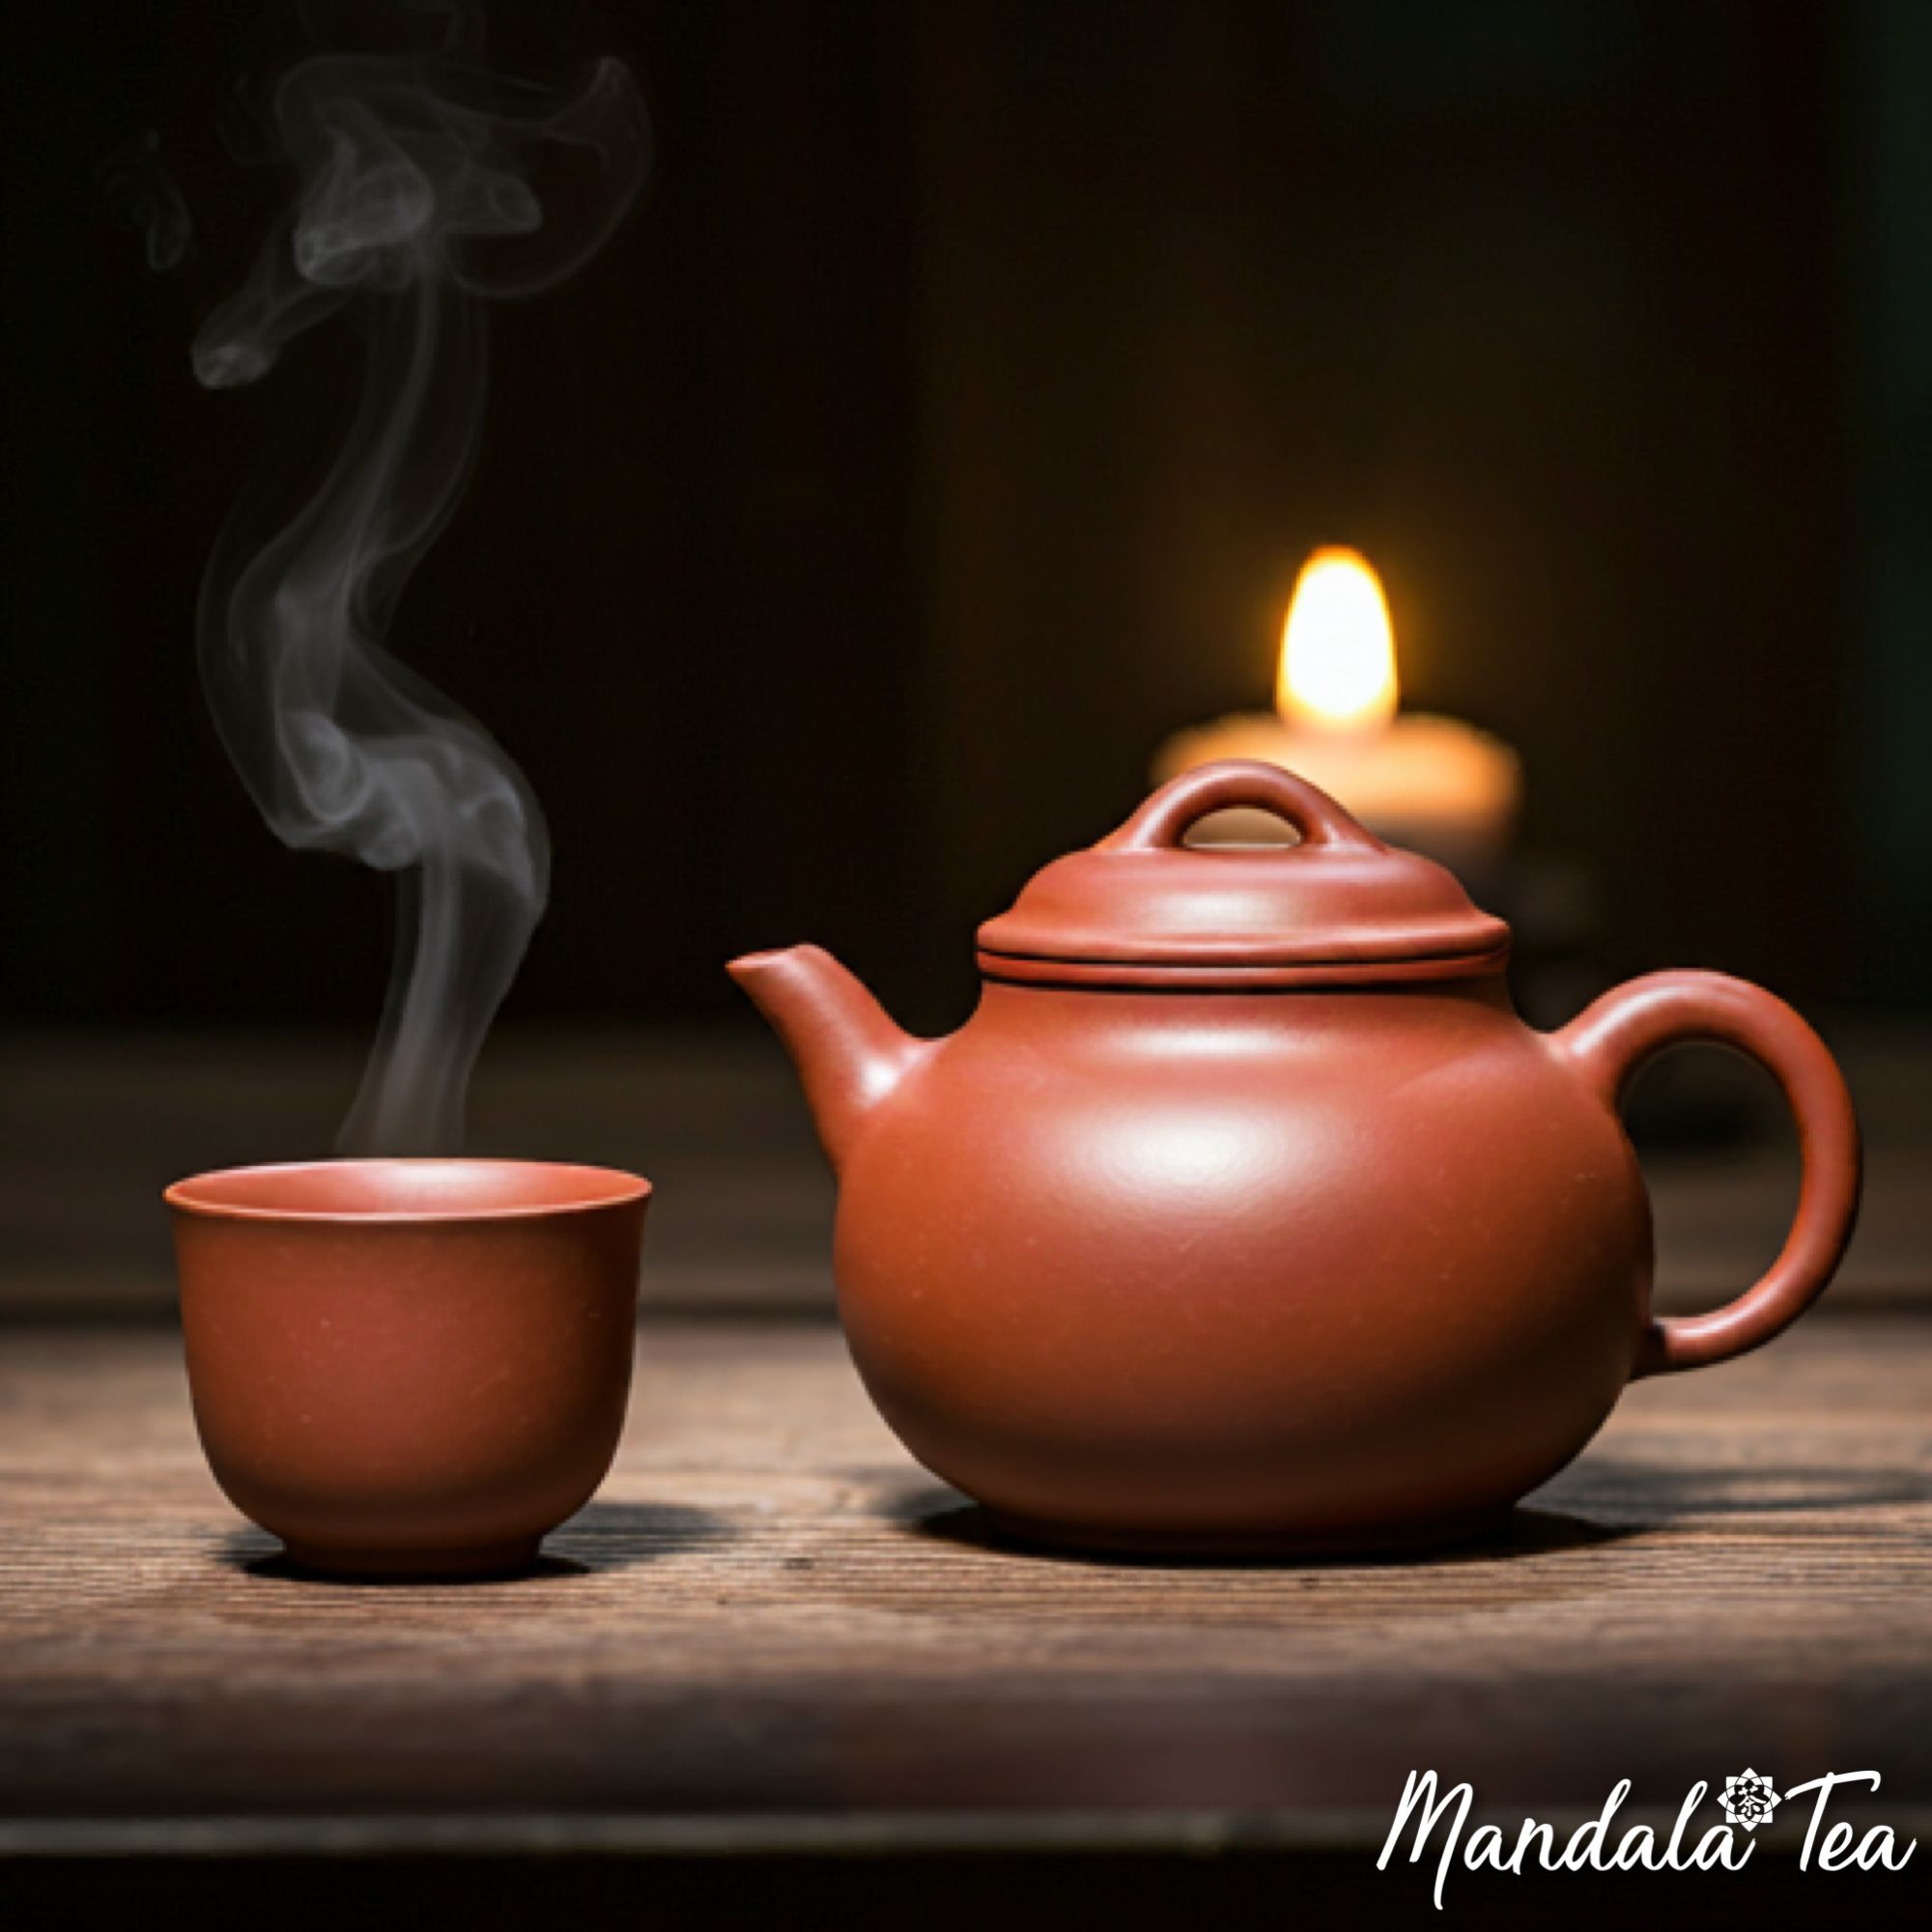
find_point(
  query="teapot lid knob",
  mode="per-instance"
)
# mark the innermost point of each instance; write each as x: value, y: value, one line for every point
x: 1164, y: 820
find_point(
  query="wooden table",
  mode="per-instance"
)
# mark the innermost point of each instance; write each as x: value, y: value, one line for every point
x: 775, y: 1653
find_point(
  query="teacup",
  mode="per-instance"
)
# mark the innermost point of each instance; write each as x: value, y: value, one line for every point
x: 410, y: 1368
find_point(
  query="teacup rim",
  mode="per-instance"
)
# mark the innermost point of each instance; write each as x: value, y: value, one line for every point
x: 625, y: 1189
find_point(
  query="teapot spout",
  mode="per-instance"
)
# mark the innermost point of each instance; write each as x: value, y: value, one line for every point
x: 849, y: 1054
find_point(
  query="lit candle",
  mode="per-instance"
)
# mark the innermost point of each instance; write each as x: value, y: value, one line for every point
x: 1434, y: 785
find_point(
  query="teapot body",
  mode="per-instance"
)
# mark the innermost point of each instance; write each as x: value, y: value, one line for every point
x: 1245, y: 1213
x: 1309, y: 1267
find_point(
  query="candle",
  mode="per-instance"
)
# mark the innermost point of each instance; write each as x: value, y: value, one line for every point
x: 1434, y: 785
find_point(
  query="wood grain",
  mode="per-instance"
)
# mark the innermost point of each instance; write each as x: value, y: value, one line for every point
x: 772, y: 1623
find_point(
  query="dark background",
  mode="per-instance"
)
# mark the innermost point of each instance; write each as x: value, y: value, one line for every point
x: 947, y: 426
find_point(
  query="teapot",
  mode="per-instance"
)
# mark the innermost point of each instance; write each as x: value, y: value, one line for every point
x: 1245, y: 1213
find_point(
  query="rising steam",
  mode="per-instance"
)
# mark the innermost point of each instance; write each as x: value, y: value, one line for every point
x: 134, y: 185
x: 412, y: 181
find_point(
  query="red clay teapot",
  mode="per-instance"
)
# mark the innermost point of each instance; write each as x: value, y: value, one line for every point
x: 1244, y: 1212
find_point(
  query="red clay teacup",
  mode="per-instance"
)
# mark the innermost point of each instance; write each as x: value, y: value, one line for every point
x: 410, y: 1368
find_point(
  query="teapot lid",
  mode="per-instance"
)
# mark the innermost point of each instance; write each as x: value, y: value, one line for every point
x: 1144, y: 908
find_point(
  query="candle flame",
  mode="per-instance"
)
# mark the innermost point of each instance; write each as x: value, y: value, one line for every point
x: 1337, y: 648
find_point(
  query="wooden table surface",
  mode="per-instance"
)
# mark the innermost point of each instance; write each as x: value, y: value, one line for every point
x: 773, y: 1629
x: 771, y: 1611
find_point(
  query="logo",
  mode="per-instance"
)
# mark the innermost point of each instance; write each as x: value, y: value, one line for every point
x: 1748, y: 1800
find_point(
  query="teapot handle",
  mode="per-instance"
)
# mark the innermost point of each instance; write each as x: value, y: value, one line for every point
x: 1611, y: 1039
x: 1163, y: 822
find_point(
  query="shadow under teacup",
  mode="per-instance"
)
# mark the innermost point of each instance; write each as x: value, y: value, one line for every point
x: 410, y: 1368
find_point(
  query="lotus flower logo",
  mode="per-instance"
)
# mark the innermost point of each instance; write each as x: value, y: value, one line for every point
x: 1748, y: 1800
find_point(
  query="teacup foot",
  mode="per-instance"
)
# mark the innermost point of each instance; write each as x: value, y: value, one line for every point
x: 421, y: 1565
